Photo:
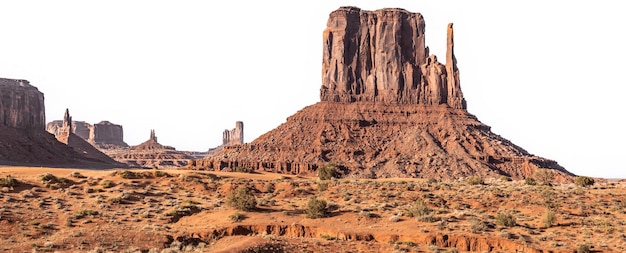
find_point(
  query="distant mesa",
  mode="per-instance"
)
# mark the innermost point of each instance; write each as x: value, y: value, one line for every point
x: 233, y: 136
x: 151, y: 154
x: 103, y: 135
x: 65, y: 134
x: 387, y: 109
x: 23, y: 139
x: 230, y: 138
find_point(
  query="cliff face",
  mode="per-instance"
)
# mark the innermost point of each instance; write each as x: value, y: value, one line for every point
x: 21, y: 105
x: 381, y: 56
x: 103, y: 135
x: 23, y: 139
x: 233, y: 136
x: 388, y: 109
x: 107, y: 134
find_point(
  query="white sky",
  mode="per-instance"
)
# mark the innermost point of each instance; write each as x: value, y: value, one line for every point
x: 547, y: 76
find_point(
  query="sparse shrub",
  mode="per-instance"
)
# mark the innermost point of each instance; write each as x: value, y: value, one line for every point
x: 478, y: 226
x: 77, y: 174
x: 530, y: 181
x: 475, y: 180
x: 584, y: 248
x: 322, y: 185
x: 327, y: 172
x: 316, y: 208
x: 544, y: 176
x: 584, y: 181
x: 107, y: 184
x: 128, y: 174
x: 160, y: 173
x: 428, y: 218
x: 549, y: 219
x: 244, y: 169
x: 236, y: 217
x: 269, y: 187
x: 418, y: 209
x: 8, y: 181
x: 242, y: 199
x: 506, y: 220
x: 84, y: 213
x: 506, y: 179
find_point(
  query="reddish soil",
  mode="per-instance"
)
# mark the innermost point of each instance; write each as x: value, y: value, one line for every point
x: 71, y: 210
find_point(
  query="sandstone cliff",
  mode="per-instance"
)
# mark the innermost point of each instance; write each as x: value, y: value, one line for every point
x: 381, y: 56
x: 65, y: 134
x: 150, y: 154
x: 233, y: 136
x: 388, y: 109
x: 103, y: 135
x: 23, y: 139
x: 21, y: 105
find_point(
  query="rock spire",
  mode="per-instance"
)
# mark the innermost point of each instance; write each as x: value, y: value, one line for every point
x: 381, y: 56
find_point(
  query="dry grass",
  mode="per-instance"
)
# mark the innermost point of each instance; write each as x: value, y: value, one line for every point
x: 86, y: 210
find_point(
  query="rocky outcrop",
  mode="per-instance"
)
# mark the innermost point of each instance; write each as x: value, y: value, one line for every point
x: 151, y: 154
x: 106, y: 134
x: 233, y: 136
x: 65, y: 134
x: 388, y: 109
x: 103, y: 135
x: 23, y: 139
x: 380, y: 56
x: 21, y: 105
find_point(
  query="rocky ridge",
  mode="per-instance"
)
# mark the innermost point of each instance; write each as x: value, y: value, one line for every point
x: 151, y: 154
x: 387, y: 109
x: 23, y: 139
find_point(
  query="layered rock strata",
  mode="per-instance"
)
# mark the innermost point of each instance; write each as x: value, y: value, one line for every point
x: 21, y: 105
x: 387, y: 109
x: 233, y: 136
x: 103, y: 135
x: 65, y: 134
x: 380, y: 56
x: 23, y: 139
x: 151, y: 154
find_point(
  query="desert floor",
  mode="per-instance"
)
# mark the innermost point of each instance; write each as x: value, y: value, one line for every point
x: 70, y: 210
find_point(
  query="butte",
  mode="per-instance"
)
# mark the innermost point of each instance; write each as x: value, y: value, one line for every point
x: 387, y: 109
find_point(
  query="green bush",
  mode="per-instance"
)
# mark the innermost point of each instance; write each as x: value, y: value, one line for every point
x: 583, y: 181
x: 418, y: 209
x: 549, y: 219
x: 530, y: 181
x: 584, y: 248
x: 107, y: 184
x: 327, y: 172
x: 244, y: 169
x: 544, y: 176
x: 475, y: 180
x: 8, y: 181
x: 236, y: 217
x: 316, y: 208
x: 506, y: 220
x: 241, y: 199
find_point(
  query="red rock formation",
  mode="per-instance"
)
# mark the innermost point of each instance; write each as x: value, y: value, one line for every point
x: 150, y: 154
x: 23, y: 140
x: 381, y: 56
x: 387, y: 110
x: 66, y: 135
x: 21, y: 105
x: 103, y: 135
x: 233, y: 136
x: 107, y: 135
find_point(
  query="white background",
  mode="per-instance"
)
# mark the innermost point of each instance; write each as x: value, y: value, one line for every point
x: 547, y: 75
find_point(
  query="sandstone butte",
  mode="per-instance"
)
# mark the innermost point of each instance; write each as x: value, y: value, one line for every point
x: 23, y: 139
x: 387, y: 109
